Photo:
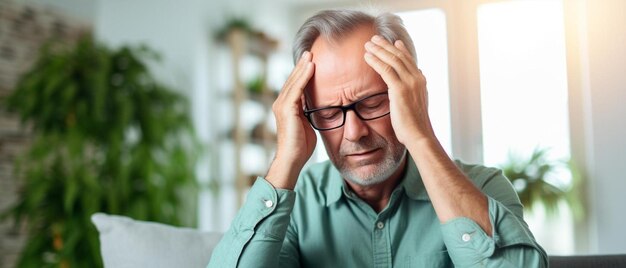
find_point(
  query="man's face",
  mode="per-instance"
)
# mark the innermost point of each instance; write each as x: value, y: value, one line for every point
x: 365, y: 152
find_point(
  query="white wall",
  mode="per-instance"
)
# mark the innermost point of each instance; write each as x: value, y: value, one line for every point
x: 606, y: 39
x: 180, y: 31
x: 81, y: 10
x: 183, y: 33
x: 173, y: 29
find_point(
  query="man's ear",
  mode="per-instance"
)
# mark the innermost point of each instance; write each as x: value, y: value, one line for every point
x: 303, y: 101
x: 306, y: 98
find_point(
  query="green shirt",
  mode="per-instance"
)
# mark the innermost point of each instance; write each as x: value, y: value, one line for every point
x: 323, y: 224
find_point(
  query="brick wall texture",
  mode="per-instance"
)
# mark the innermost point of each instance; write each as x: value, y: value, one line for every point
x: 23, y: 29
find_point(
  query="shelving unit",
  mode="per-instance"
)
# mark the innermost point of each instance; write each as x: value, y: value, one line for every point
x: 241, y: 135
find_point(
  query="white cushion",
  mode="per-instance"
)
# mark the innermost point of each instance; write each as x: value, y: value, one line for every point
x: 125, y: 242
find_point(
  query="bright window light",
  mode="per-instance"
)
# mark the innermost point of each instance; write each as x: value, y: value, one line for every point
x: 523, y: 79
x: 427, y: 28
x: 524, y: 88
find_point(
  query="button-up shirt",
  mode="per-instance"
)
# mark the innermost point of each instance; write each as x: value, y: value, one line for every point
x: 322, y: 223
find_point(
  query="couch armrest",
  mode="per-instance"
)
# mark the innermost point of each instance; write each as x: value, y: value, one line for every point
x: 125, y: 242
x: 583, y: 261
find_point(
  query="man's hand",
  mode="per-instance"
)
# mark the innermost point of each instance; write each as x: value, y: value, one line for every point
x: 408, y: 96
x: 451, y: 192
x: 296, y: 138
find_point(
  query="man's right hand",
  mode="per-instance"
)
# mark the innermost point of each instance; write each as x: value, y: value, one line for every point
x: 296, y: 137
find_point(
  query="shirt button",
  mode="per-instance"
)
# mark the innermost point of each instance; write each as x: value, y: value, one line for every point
x: 380, y: 225
x: 466, y: 237
x: 269, y: 203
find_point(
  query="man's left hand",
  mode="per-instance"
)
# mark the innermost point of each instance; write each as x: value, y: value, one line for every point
x: 408, y: 96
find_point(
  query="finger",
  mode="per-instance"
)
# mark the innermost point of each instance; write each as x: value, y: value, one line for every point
x: 297, y: 88
x: 302, y: 107
x: 297, y: 71
x: 402, y: 47
x: 285, y: 98
x: 391, y: 59
x: 290, y: 95
x: 385, y: 71
x: 406, y: 59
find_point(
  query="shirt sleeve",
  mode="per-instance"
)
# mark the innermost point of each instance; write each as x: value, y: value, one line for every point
x: 290, y: 253
x: 256, y: 235
x: 512, y: 243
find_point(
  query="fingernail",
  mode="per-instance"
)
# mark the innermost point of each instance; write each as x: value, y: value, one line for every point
x: 305, y: 54
x: 377, y: 38
x: 369, y: 45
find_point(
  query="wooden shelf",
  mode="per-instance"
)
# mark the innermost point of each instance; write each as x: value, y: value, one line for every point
x: 241, y: 44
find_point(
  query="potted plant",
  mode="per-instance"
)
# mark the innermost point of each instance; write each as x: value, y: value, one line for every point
x: 106, y: 137
x: 530, y: 178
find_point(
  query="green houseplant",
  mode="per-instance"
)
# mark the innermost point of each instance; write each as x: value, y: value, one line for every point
x: 529, y: 177
x: 106, y: 137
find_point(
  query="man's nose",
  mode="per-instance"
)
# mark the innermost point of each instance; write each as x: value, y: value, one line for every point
x: 354, y: 128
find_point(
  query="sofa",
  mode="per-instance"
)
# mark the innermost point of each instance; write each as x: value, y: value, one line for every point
x: 584, y: 261
x: 125, y: 242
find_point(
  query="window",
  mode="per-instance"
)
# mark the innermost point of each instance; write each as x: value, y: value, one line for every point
x: 524, y: 93
x: 427, y: 28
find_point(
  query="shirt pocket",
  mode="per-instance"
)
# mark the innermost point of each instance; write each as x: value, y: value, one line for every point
x: 430, y: 260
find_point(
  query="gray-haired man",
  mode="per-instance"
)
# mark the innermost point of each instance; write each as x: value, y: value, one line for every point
x: 390, y: 195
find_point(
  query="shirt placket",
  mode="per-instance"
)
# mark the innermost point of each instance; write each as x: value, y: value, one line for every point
x: 381, y: 234
x: 381, y: 244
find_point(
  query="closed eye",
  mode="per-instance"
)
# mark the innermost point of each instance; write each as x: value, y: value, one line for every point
x: 328, y: 114
x: 371, y: 104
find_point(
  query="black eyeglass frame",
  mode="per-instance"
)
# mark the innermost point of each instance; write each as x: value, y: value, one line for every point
x: 344, y: 110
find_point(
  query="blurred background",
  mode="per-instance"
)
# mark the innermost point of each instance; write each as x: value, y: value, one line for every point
x: 535, y: 87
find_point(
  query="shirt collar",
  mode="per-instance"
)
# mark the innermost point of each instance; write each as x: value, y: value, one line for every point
x: 335, y: 186
x: 412, y: 183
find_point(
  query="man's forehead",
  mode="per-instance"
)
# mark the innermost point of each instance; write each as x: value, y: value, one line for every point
x: 332, y: 57
x: 340, y: 69
x: 341, y: 94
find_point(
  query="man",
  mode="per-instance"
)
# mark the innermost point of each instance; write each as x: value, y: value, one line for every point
x: 390, y: 195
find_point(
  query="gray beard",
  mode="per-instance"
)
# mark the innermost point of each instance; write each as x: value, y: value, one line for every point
x: 395, y: 153
x: 387, y: 167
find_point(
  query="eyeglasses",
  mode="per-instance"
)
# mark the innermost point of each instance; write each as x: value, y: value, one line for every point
x: 368, y: 108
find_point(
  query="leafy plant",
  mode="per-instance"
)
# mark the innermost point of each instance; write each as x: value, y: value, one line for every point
x: 530, y: 179
x: 576, y: 196
x: 256, y: 86
x: 231, y: 24
x: 106, y: 137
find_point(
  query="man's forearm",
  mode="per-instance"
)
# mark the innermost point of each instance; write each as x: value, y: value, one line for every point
x: 453, y: 195
x: 283, y: 174
x: 255, y: 237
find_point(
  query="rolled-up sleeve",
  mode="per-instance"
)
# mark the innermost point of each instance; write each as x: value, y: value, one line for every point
x: 256, y: 234
x: 511, y: 245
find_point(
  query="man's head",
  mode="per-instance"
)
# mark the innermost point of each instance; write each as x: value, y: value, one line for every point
x: 333, y: 25
x: 366, y: 152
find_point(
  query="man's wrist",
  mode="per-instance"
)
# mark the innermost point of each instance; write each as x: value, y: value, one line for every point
x: 283, y: 174
x: 421, y: 142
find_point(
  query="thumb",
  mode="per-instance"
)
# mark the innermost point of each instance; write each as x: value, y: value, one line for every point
x: 402, y: 47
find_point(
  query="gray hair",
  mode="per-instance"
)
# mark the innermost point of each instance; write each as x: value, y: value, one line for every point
x: 335, y: 24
